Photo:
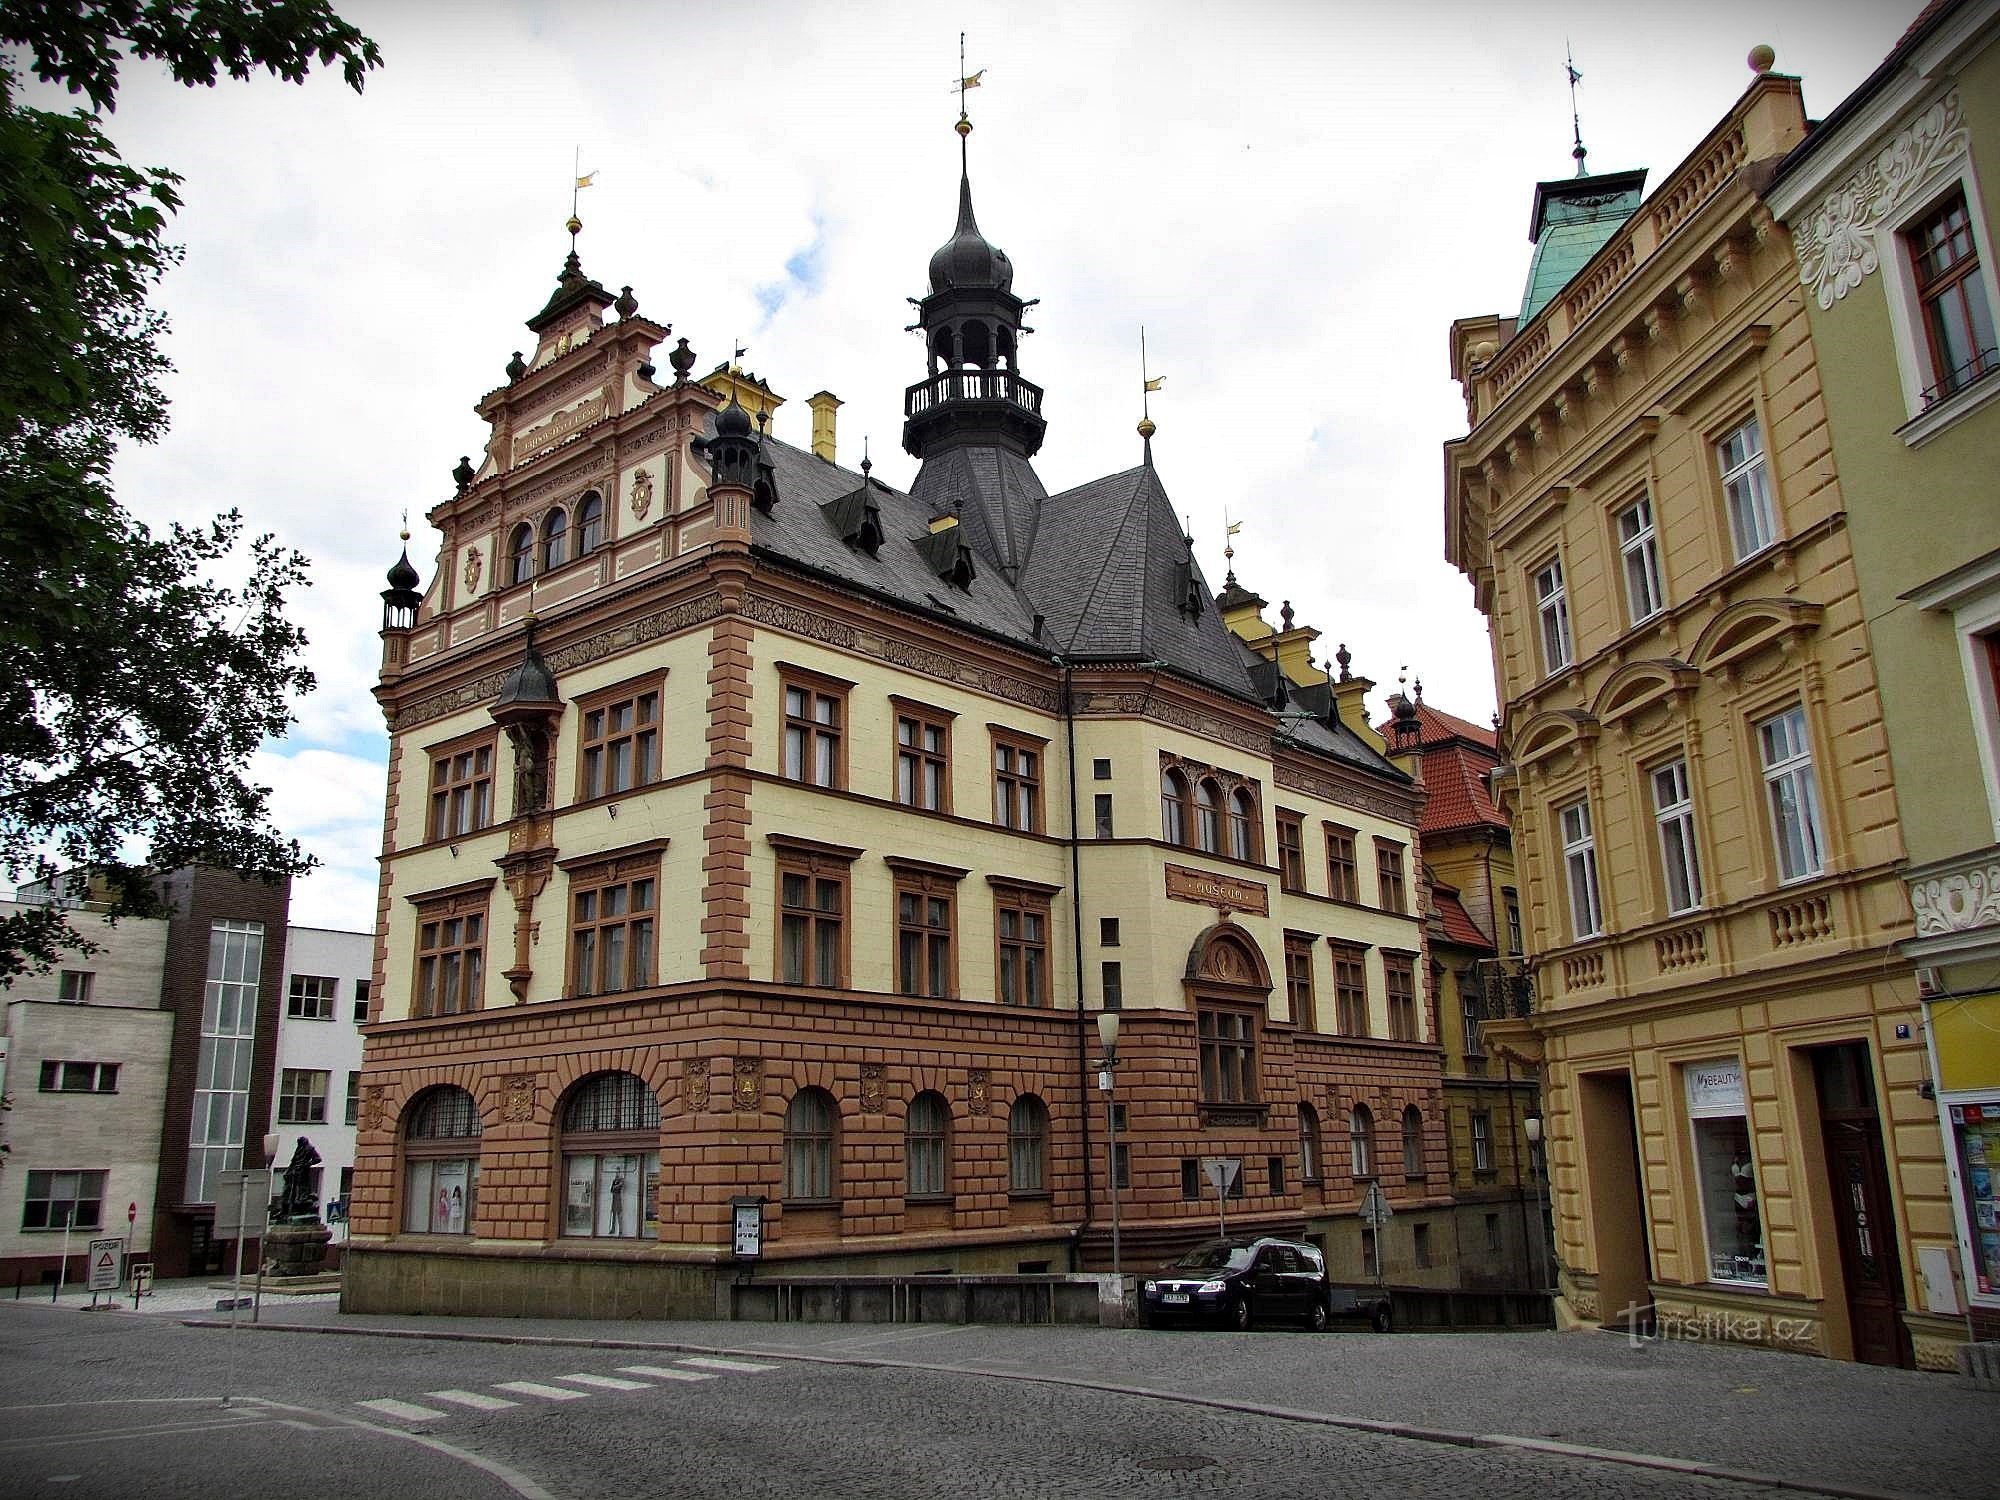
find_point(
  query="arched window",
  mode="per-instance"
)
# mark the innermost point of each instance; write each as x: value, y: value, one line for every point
x: 522, y: 551
x: 1208, y: 817
x: 555, y: 540
x: 611, y: 1158
x: 589, y: 523
x: 810, y: 1122
x: 1413, y: 1141
x: 977, y: 344
x: 1242, y: 824
x: 1361, y: 1141
x: 1173, y: 806
x: 1310, y: 1154
x: 440, y: 1162
x: 1028, y: 1145
x: 927, y: 1147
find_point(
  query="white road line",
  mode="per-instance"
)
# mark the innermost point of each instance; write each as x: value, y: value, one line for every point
x: 607, y: 1382
x: 472, y: 1399
x: 536, y: 1388
x: 725, y: 1364
x: 663, y: 1372
x: 402, y: 1409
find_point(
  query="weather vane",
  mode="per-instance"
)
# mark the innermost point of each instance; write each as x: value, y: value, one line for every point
x: 1575, y: 120
x: 1147, y: 385
x: 965, y: 81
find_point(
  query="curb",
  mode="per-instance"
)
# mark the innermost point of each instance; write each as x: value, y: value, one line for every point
x: 1410, y: 1431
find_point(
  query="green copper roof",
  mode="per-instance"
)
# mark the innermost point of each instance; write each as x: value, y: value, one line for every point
x: 1574, y: 218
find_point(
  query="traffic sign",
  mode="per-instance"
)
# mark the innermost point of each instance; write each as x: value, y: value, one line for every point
x: 1221, y: 1171
x: 142, y: 1281
x: 242, y: 1203
x: 106, y: 1265
x: 1375, y: 1209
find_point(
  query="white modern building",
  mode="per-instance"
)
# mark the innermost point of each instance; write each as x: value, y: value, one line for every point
x: 316, y: 1093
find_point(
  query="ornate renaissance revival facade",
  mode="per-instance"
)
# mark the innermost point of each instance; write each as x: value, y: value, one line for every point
x: 761, y: 835
x: 1697, y: 771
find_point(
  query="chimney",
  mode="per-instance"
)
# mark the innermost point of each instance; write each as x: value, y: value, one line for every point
x: 824, y: 405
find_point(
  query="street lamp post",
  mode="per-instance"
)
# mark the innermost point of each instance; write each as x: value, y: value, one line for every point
x: 1532, y: 1127
x: 1107, y: 1065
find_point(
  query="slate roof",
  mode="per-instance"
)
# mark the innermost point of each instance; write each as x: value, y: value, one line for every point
x: 995, y: 493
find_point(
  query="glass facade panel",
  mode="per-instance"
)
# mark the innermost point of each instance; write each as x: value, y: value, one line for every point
x: 228, y: 1032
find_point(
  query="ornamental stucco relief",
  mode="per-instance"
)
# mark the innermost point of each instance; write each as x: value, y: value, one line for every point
x: 1836, y: 245
x: 1958, y: 901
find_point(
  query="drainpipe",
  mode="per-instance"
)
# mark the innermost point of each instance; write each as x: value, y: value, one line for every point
x: 1076, y: 943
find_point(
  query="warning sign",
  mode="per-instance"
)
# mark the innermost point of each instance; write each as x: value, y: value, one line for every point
x: 107, y: 1265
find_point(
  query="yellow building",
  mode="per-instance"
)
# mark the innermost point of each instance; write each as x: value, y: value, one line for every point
x: 1697, y: 771
x: 1895, y: 242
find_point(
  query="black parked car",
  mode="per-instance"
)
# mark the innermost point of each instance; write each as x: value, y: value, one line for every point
x: 1238, y: 1282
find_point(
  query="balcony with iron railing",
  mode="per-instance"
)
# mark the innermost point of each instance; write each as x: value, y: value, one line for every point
x: 1503, y: 989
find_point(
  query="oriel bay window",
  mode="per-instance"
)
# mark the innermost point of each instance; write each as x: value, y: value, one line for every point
x: 619, y: 740
x: 923, y: 756
x: 1228, y: 1040
x: 815, y: 743
x: 926, y: 911
x: 813, y: 887
x: 440, y: 1162
x: 614, y: 909
x: 451, y: 950
x: 461, y: 788
x: 611, y: 1158
x: 1017, y: 780
x: 1021, y: 931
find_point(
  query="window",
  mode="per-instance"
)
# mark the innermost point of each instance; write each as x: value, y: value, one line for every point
x: 812, y: 917
x: 1208, y: 817
x: 555, y: 540
x: 1469, y: 1006
x: 1493, y: 1234
x: 1190, y: 1178
x: 1101, y: 812
x: 74, y: 986
x: 1552, y: 603
x: 927, y: 1147
x: 589, y: 523
x: 1291, y: 851
x: 810, y: 1123
x: 1389, y: 876
x: 461, y: 790
x: 1274, y: 1175
x: 813, y: 741
x: 924, y: 902
x: 521, y: 554
x: 1228, y: 1040
x: 1726, y: 1172
x: 923, y: 758
x: 351, y: 1114
x: 1513, y: 903
x: 619, y: 743
x: 1350, y: 990
x: 1027, y: 1145
x: 1310, y: 1153
x: 1794, y: 794
x: 1242, y: 824
x: 1639, y: 546
x: 1586, y: 912
x: 1399, y: 977
x: 302, y: 1096
x: 362, y: 989
x: 440, y: 1161
x: 451, y: 949
x: 1673, y: 811
x: 612, y: 913
x: 1342, y: 878
x: 1173, y: 806
x: 1420, y: 1245
x: 1107, y: 931
x: 222, y: 1064
x: 611, y: 1158
x: 1360, y: 1142
x: 1100, y: 769
x: 1299, y: 982
x: 1017, y: 783
x: 1958, y: 322
x: 1112, y: 984
x: 79, y: 1078
x: 1746, y: 487
x: 1413, y: 1141
x: 58, y: 1200
x: 311, y: 998
x: 1021, y: 922
x: 1482, y: 1140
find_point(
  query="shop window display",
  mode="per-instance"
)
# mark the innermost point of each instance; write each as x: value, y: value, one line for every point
x: 1726, y: 1173
x: 1975, y: 1130
x: 611, y: 1159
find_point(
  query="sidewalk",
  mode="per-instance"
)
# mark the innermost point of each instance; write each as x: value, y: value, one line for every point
x: 1842, y: 1428
x: 190, y: 1296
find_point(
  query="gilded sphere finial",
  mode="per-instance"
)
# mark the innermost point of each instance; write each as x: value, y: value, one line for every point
x: 575, y: 225
x: 964, y: 125
x: 1146, y: 428
x: 404, y: 534
x: 1762, y: 58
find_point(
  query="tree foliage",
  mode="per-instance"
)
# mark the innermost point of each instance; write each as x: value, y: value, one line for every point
x: 135, y: 684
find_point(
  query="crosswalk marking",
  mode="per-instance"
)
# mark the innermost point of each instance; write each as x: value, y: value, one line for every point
x: 607, y: 1382
x: 472, y: 1399
x: 726, y: 1364
x: 403, y: 1409
x: 663, y: 1372
x: 536, y: 1388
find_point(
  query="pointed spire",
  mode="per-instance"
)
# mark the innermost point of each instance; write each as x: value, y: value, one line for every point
x: 1579, y: 151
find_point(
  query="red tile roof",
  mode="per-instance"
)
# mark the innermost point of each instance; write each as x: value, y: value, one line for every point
x: 1458, y: 924
x: 1456, y: 754
x: 1437, y: 728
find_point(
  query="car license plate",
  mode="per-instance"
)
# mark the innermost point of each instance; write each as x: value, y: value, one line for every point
x: 1180, y: 1297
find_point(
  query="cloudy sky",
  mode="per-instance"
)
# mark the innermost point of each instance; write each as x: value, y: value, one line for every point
x: 1295, y: 199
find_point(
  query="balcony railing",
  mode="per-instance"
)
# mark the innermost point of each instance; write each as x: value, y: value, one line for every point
x: 1504, y: 989
x: 972, y: 385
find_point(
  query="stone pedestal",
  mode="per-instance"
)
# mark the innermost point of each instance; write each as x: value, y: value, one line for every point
x: 296, y: 1249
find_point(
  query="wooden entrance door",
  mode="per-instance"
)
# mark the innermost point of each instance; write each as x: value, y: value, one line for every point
x: 1858, y: 1174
